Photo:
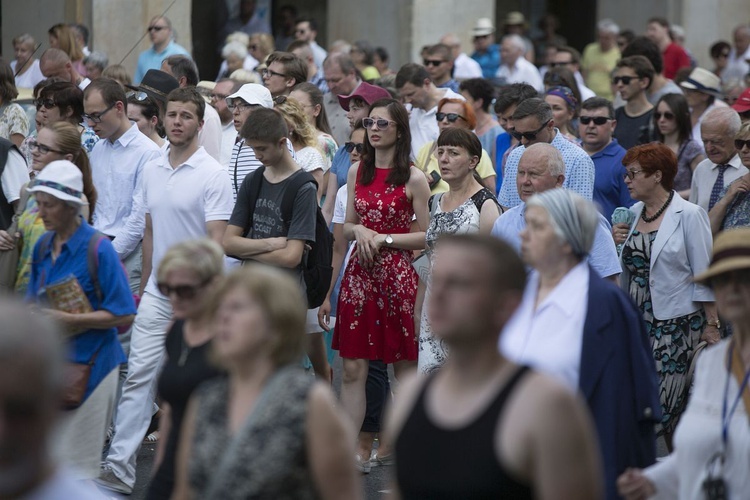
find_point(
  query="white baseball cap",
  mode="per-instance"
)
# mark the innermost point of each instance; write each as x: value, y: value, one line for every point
x: 253, y: 93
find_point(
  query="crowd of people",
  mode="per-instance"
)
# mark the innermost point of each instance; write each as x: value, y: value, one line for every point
x: 549, y: 238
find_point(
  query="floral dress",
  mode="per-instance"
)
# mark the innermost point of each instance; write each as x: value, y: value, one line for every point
x: 31, y: 227
x: 462, y: 220
x: 13, y: 120
x: 672, y: 340
x: 375, y: 312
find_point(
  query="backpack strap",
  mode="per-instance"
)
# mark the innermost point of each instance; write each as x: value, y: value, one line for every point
x: 290, y: 194
x: 256, y: 182
x: 92, y: 259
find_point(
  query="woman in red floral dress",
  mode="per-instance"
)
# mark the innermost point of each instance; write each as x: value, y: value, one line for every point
x: 375, y: 319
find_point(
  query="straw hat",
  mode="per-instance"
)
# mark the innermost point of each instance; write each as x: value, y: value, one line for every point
x: 731, y: 252
x: 704, y: 81
x: 515, y: 18
x: 61, y: 179
x: 483, y: 27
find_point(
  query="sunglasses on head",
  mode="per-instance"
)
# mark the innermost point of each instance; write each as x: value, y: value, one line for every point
x: 351, y: 146
x: 667, y: 115
x: 137, y: 95
x: 452, y: 117
x: 598, y: 120
x: 47, y: 103
x: 624, y: 79
x: 281, y: 99
x: 182, y: 291
x: 529, y: 136
x: 432, y: 62
x: 739, y: 143
x: 382, y: 123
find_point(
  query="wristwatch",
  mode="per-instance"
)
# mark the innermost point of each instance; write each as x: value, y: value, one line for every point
x: 389, y: 240
x: 716, y: 323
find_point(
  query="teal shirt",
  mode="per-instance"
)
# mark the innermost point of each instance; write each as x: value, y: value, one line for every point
x: 150, y: 59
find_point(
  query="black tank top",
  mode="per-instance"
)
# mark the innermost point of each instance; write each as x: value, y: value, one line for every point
x: 460, y: 463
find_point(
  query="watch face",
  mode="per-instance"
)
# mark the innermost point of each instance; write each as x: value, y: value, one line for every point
x: 389, y: 239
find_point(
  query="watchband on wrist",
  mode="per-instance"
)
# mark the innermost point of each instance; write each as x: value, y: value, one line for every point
x: 716, y: 323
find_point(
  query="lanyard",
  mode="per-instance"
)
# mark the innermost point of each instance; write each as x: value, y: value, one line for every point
x: 725, y: 418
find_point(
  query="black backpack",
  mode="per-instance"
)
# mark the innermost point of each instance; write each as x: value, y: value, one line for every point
x: 316, y: 261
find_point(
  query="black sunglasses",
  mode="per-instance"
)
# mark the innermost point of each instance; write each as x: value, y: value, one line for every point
x: 281, y: 99
x: 429, y: 62
x: 452, y: 117
x: 624, y: 79
x: 739, y: 143
x: 598, y: 120
x: 667, y: 115
x: 559, y: 64
x: 351, y: 146
x: 156, y: 28
x: 47, y: 103
x: 186, y: 292
x: 267, y: 73
x: 529, y: 136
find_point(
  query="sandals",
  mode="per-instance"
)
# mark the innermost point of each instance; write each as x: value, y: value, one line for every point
x: 152, y: 438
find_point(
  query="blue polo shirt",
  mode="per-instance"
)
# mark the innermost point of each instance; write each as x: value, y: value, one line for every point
x: 489, y: 61
x: 340, y: 165
x: 150, y: 59
x: 610, y: 190
x: 116, y: 297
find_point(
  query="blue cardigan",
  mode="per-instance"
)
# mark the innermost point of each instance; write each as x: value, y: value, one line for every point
x: 618, y: 380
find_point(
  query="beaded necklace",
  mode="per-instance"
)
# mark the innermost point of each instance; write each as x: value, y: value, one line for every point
x: 658, y: 212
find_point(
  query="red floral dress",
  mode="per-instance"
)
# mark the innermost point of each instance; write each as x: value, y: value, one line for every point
x: 375, y: 315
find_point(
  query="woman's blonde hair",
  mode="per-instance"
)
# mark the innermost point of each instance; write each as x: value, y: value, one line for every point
x: 67, y: 41
x: 300, y: 129
x: 68, y: 140
x: 282, y: 302
x: 744, y: 131
x: 204, y: 257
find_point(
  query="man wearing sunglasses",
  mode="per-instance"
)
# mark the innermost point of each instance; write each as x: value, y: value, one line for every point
x: 632, y: 78
x: 596, y: 126
x: 439, y: 64
x: 533, y: 123
x: 163, y: 45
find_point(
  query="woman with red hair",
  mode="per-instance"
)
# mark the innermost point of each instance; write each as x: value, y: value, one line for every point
x: 668, y: 243
x: 459, y: 114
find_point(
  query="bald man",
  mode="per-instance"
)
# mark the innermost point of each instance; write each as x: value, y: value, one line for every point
x: 464, y: 67
x: 55, y: 63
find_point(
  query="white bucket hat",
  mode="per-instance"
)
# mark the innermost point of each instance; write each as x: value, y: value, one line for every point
x: 61, y: 179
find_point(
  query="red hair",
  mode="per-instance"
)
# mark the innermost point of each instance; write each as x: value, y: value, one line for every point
x: 468, y: 113
x: 654, y: 157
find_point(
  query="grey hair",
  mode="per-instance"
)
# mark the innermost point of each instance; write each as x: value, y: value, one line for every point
x: 548, y: 152
x: 24, y: 334
x: 723, y: 116
x: 341, y: 46
x: 608, y: 26
x: 534, y: 106
x: 24, y: 39
x: 677, y: 31
x: 516, y: 41
x: 573, y: 218
x: 236, y: 48
x: 97, y: 58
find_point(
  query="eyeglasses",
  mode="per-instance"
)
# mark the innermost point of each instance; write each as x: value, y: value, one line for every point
x: 185, y: 292
x: 97, y: 117
x: 351, y: 146
x: 559, y: 64
x: 739, y: 143
x: 137, y: 95
x: 33, y: 145
x: 156, y: 28
x: 47, y: 103
x: 267, y: 73
x: 529, y: 136
x: 667, y: 115
x: 239, y: 104
x: 624, y: 79
x: 218, y: 97
x: 432, y: 62
x: 452, y: 117
x: 598, y: 120
x: 382, y: 123
x: 278, y: 100
x: 630, y: 174
x: 253, y: 47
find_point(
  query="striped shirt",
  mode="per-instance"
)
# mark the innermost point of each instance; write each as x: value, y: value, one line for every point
x: 243, y: 162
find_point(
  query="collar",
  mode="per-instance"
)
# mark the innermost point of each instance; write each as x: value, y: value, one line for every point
x: 195, y: 160
x: 611, y: 149
x: 78, y: 238
x: 561, y: 297
x: 129, y: 136
x: 735, y: 162
x: 166, y: 47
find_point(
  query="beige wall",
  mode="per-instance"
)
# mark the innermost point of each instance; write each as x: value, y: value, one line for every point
x: 29, y: 16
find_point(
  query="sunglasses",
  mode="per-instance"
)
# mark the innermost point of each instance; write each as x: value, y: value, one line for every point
x: 137, y: 95
x: 351, y: 146
x: 382, y: 123
x: 452, y: 117
x: 598, y: 120
x: 267, y: 73
x: 279, y: 100
x: 186, y: 292
x: 624, y: 79
x: 739, y: 143
x: 156, y: 28
x: 559, y: 64
x: 97, y: 117
x: 429, y: 62
x: 667, y: 115
x: 47, y: 103
x: 33, y: 145
x: 529, y: 136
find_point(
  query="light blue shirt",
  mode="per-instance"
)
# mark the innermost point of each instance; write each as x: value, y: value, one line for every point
x: 579, y: 171
x: 150, y: 59
x: 603, y: 257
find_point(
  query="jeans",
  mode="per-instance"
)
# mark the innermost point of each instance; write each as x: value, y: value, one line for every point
x: 135, y: 407
x: 377, y: 392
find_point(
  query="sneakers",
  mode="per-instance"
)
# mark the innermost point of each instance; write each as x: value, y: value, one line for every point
x: 107, y: 479
x: 378, y: 461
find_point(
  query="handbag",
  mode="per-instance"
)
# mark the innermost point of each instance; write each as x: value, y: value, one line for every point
x: 76, y: 381
x: 9, y: 258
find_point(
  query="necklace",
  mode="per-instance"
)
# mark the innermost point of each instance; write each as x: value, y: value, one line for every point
x: 185, y: 352
x: 658, y: 212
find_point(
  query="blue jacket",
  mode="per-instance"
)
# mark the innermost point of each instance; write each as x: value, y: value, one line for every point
x: 618, y: 380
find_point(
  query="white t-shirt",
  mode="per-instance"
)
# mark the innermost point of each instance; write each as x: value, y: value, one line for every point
x: 15, y: 175
x: 310, y: 160
x: 210, y: 134
x: 423, y: 124
x: 30, y: 77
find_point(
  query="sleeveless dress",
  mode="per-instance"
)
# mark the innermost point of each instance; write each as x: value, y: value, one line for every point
x: 271, y: 456
x: 672, y: 340
x: 462, y: 220
x: 375, y: 312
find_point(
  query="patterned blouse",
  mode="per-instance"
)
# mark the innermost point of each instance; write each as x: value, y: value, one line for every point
x: 13, y: 120
x: 738, y: 211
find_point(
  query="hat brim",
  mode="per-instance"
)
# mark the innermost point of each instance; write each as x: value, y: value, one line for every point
x: 57, y: 194
x: 741, y: 108
x: 482, y: 32
x: 153, y: 95
x: 725, y: 266
x: 703, y: 90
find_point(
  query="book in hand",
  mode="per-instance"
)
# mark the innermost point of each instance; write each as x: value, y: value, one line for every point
x: 68, y: 296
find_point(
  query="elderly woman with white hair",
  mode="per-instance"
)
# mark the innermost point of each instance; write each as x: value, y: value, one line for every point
x: 585, y: 331
x: 235, y: 55
x: 77, y: 280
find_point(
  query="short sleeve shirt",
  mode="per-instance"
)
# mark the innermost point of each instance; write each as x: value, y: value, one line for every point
x: 632, y: 130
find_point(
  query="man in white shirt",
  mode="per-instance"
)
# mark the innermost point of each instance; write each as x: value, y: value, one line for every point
x: 464, y: 67
x: 722, y: 164
x: 186, y: 72
x: 56, y: 63
x: 570, y: 58
x: 187, y: 196
x: 416, y: 88
x: 341, y: 78
x: 737, y: 63
x: 306, y: 29
x: 117, y: 163
x: 515, y: 68
x: 223, y: 89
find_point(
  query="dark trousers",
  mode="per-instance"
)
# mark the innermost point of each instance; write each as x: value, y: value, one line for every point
x: 377, y: 392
